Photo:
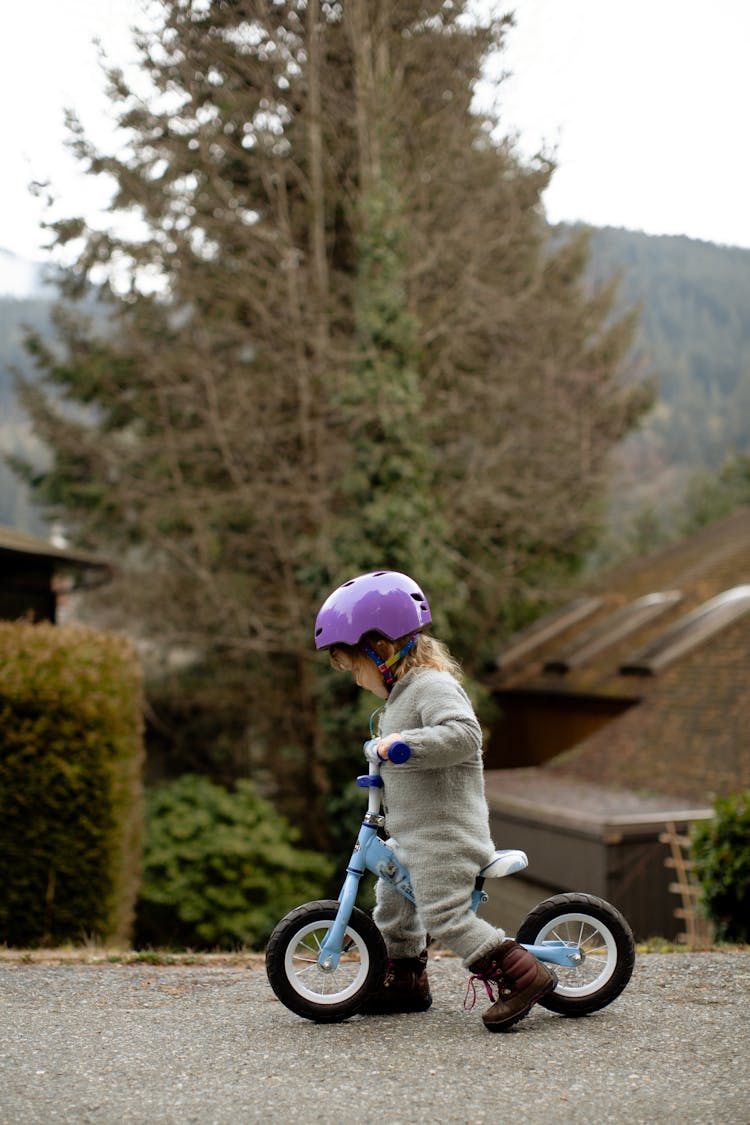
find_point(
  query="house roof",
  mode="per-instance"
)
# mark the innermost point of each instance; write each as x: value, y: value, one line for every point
x: 689, y: 735
x: 585, y: 806
x: 635, y: 620
x: 22, y: 545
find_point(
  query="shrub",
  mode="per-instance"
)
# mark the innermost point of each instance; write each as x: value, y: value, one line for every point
x: 70, y: 784
x: 220, y: 867
x: 721, y: 852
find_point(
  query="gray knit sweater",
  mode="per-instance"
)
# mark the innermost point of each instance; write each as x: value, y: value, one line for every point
x: 435, y: 804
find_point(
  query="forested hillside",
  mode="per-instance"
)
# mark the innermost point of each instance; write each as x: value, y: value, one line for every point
x: 694, y: 340
x: 16, y: 437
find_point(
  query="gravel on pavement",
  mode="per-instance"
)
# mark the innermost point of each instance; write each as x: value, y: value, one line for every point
x: 204, y: 1044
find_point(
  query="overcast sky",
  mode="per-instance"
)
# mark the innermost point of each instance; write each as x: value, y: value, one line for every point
x: 644, y: 101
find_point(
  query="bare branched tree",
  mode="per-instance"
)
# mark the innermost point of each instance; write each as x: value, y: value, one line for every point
x: 343, y: 340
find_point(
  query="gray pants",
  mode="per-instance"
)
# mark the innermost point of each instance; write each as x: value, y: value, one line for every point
x: 443, y: 911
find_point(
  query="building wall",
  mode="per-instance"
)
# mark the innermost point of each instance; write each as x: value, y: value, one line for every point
x: 625, y: 867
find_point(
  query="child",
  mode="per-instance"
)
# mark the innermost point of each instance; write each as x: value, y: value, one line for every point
x: 434, y: 804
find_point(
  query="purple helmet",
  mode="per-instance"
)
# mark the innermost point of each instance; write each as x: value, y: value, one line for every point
x: 384, y: 602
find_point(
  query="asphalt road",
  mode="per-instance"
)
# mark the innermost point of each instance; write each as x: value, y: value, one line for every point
x: 201, y: 1044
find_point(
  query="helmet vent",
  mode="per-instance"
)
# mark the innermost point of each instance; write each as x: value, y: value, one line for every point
x: 318, y: 632
x: 418, y: 598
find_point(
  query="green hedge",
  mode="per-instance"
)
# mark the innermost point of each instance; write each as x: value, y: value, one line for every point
x: 721, y: 853
x: 221, y: 867
x: 71, y: 813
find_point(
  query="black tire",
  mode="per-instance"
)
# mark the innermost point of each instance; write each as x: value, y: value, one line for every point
x: 308, y: 990
x: 606, y: 941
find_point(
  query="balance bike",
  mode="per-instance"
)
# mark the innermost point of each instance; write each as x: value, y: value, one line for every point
x: 325, y: 958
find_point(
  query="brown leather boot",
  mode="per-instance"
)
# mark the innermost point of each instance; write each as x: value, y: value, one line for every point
x: 521, y: 980
x: 405, y: 988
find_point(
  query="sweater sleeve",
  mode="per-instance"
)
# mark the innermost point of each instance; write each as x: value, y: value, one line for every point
x: 449, y: 732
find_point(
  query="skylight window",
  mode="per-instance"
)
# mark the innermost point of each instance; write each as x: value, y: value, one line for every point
x: 691, y: 630
x: 622, y: 623
x: 546, y: 628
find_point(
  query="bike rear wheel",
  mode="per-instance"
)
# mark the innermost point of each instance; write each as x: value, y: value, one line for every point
x: 606, y: 944
x: 302, y: 985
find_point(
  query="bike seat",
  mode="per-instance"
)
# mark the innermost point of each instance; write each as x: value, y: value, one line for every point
x: 505, y: 862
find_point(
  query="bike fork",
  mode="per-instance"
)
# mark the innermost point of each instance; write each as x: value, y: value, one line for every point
x: 370, y: 854
x: 332, y: 947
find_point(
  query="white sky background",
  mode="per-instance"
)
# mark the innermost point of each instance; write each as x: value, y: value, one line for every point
x: 644, y: 101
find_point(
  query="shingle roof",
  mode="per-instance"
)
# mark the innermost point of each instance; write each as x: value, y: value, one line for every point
x: 689, y: 734
x: 690, y: 737
x: 625, y: 610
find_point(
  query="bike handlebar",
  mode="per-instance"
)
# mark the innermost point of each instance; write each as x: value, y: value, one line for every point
x: 398, y: 753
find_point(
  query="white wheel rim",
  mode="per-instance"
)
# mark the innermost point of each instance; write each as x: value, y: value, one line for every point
x: 597, y: 943
x: 313, y: 983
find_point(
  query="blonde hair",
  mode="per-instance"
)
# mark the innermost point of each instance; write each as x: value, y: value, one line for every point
x: 428, y: 652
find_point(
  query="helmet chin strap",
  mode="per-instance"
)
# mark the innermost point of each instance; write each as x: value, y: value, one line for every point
x: 385, y: 666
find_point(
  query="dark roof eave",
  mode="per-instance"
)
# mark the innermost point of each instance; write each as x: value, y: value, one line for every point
x: 611, y: 688
x: 20, y: 545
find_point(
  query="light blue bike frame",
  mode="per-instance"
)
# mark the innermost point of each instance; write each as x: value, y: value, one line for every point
x: 371, y: 854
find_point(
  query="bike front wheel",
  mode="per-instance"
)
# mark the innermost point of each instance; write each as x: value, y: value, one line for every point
x: 604, y: 939
x: 302, y: 984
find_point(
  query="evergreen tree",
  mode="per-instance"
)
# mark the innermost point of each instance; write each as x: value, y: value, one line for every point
x: 343, y: 341
x: 711, y: 496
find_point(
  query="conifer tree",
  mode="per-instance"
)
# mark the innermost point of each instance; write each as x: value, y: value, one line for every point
x: 343, y: 340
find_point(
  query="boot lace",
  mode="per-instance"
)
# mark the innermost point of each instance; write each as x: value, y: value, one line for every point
x: 491, y: 976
